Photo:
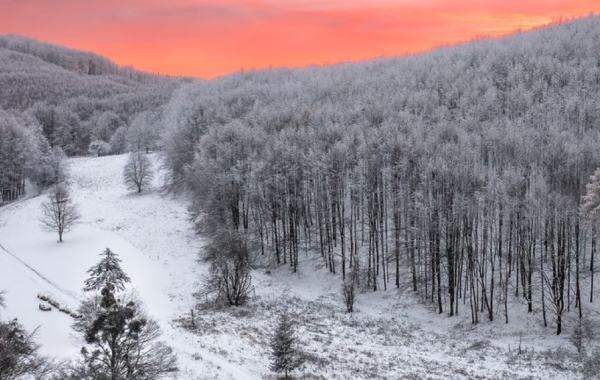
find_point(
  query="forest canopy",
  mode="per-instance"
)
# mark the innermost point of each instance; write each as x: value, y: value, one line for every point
x: 459, y: 172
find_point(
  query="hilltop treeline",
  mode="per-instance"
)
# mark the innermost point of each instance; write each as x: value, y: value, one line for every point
x: 458, y: 173
x: 71, y: 101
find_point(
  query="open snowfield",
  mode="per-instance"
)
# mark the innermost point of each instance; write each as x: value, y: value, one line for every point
x: 392, y: 334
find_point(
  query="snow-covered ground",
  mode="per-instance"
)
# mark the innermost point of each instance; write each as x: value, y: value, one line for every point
x: 151, y: 234
x: 392, y: 334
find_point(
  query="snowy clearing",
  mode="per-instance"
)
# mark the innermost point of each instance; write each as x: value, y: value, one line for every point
x: 150, y: 233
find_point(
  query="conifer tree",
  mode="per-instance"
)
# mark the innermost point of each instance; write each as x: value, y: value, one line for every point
x: 107, y: 272
x: 122, y: 342
x: 286, y: 355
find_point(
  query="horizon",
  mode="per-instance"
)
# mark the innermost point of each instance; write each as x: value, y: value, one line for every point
x: 208, y: 39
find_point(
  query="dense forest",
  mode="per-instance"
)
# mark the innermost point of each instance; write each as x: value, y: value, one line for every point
x: 459, y: 173
x: 57, y: 101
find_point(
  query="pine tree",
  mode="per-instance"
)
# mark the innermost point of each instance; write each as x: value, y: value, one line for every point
x: 122, y: 342
x: 107, y: 272
x: 286, y: 355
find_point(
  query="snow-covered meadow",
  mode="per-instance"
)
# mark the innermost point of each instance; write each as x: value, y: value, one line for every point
x: 391, y: 335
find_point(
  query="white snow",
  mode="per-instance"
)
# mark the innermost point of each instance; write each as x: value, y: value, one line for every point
x: 392, y: 334
x: 149, y: 231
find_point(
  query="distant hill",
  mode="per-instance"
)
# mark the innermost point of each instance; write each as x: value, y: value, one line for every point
x: 467, y: 154
x: 86, y: 63
x: 33, y: 71
x: 78, y: 97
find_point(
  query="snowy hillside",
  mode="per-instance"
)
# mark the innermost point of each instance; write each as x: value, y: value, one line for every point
x: 149, y: 232
x: 392, y: 335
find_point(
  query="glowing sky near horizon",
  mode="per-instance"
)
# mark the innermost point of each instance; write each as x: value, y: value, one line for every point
x: 208, y: 38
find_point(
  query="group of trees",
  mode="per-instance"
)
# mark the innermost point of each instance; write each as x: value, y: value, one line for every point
x: 458, y: 173
x: 25, y: 154
x: 80, y: 62
x: 55, y: 98
x: 17, y: 146
x: 60, y: 212
x: 229, y: 279
x: 121, y: 340
x: 82, y: 125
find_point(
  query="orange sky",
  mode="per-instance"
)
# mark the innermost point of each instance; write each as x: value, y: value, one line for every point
x: 208, y: 38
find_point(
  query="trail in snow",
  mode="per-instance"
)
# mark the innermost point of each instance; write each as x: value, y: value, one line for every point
x: 151, y: 234
x: 38, y: 275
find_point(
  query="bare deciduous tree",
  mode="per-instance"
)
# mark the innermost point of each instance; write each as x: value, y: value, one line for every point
x: 229, y: 278
x: 349, y: 295
x: 138, y: 171
x: 60, y: 213
x: 233, y: 281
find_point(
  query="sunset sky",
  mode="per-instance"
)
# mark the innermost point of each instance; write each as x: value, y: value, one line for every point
x: 204, y: 38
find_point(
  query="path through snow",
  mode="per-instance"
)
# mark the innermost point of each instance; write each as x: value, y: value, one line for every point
x: 150, y: 231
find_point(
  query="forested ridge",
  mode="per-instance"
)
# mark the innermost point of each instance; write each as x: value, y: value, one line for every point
x: 56, y: 101
x: 459, y: 173
x: 86, y: 63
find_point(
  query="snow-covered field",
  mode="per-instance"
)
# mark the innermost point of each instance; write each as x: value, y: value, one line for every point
x: 392, y: 334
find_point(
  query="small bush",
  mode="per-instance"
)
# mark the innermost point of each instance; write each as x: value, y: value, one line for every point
x: 229, y: 277
x: 99, y: 148
x: 349, y: 295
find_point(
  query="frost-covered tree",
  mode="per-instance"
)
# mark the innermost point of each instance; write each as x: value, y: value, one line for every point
x: 414, y: 171
x: 106, y: 124
x: 107, y: 272
x: 229, y: 279
x: 19, y: 154
x: 138, y: 173
x: 69, y: 132
x: 59, y: 212
x: 118, y: 141
x: 99, y: 148
x: 286, y: 355
x: 591, y: 202
x: 53, y: 168
x: 143, y: 135
x: 186, y: 119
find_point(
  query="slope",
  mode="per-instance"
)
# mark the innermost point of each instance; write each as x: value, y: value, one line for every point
x: 149, y: 232
x: 392, y: 334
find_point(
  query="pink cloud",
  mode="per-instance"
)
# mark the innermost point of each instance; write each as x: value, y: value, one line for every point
x: 209, y: 38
